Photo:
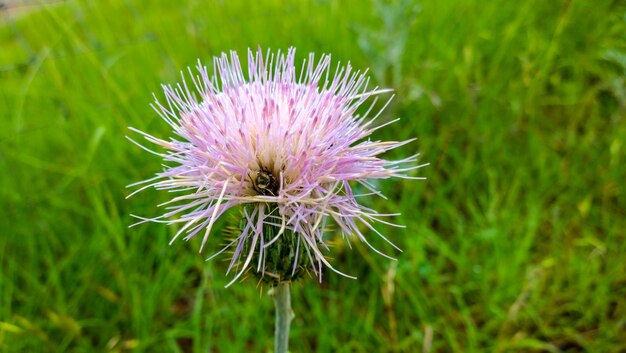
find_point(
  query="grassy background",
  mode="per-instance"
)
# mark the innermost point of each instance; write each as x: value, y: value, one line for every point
x: 516, y: 243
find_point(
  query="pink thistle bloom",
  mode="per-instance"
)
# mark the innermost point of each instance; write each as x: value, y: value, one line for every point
x: 283, y: 143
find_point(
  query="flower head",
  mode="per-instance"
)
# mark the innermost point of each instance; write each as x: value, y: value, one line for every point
x: 282, y: 144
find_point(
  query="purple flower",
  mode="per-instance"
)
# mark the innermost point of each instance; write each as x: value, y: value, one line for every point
x: 281, y: 144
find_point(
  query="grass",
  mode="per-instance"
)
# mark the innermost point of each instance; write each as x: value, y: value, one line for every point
x: 516, y: 242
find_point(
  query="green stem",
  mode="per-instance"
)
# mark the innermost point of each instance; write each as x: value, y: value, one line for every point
x: 284, y: 315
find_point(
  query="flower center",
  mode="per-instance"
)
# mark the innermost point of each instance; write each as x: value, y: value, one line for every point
x: 265, y: 183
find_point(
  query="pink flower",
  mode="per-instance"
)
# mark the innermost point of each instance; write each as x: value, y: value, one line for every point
x: 284, y: 144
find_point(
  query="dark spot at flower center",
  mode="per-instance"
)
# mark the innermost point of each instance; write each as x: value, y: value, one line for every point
x: 265, y: 183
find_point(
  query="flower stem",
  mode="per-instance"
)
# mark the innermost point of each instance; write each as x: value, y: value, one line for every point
x: 284, y: 315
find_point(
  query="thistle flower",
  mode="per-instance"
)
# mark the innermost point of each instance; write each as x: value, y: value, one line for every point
x: 284, y: 146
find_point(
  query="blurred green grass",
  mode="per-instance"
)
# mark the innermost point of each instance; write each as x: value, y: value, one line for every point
x: 514, y: 244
